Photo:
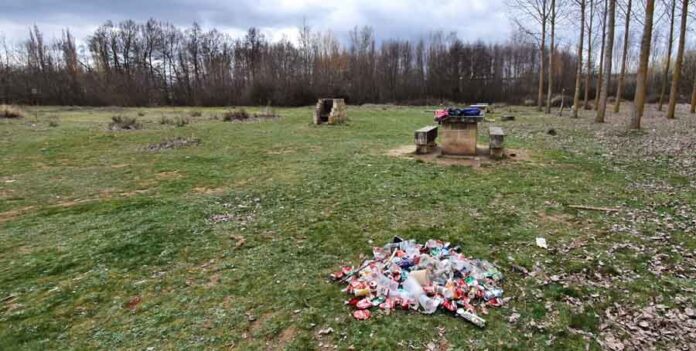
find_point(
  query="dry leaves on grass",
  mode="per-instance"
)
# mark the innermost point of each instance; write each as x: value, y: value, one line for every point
x: 133, y: 303
x: 175, y: 143
x: 653, y: 327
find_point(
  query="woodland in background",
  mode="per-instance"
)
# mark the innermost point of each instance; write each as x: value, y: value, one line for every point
x: 156, y: 63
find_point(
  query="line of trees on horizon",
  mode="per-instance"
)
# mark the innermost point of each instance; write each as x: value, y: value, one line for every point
x: 156, y: 63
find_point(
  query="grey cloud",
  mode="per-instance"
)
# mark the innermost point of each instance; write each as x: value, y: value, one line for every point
x: 471, y: 19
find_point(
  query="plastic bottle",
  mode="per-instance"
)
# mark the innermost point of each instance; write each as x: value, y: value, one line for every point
x: 474, y: 319
x: 383, y: 284
x: 414, y: 289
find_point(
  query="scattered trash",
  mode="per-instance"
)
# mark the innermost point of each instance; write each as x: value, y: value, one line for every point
x: 541, y: 242
x: 476, y: 320
x: 361, y: 314
x: 513, y: 318
x: 326, y: 331
x: 406, y: 275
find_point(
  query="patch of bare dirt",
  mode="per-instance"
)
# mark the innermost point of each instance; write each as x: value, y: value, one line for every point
x: 285, y: 338
x: 209, y: 191
x: 168, y: 175
x: 257, y: 322
x: 12, y: 214
x: 478, y: 161
x: 175, y: 143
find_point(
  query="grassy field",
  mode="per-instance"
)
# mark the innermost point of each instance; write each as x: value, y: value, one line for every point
x: 105, y: 244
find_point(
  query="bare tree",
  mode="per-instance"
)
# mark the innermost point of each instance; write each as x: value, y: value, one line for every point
x: 642, y: 77
x: 586, y: 103
x: 578, y: 75
x: 674, y: 92
x: 624, y: 58
x: 611, y: 17
x: 600, y: 74
x: 538, y: 12
x: 693, y: 95
x: 668, y: 59
x: 552, y: 49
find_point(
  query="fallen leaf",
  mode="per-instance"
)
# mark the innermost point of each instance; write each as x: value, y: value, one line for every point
x: 133, y: 303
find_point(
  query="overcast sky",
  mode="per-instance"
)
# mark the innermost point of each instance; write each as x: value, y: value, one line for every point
x: 471, y: 19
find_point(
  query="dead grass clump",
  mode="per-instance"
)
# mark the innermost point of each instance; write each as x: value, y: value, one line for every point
x: 124, y: 123
x: 176, y: 121
x: 268, y: 112
x: 9, y: 111
x: 235, y: 115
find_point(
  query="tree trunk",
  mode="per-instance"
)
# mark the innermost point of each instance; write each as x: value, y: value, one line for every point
x: 674, y: 92
x: 670, y: 41
x: 551, y: 51
x: 601, y: 56
x: 586, y: 104
x: 624, y: 56
x: 609, y: 51
x: 642, y: 77
x: 578, y: 76
x: 693, y: 97
x: 542, y: 54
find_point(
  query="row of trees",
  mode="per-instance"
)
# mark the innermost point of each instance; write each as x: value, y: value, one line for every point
x: 156, y: 63
x: 649, y: 80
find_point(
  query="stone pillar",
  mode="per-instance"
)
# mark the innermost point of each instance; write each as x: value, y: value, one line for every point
x: 458, y: 138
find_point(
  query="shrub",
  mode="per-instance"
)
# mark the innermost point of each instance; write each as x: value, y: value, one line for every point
x: 268, y: 112
x: 8, y: 111
x: 235, y: 115
x: 177, y: 121
x: 124, y: 123
x: 196, y: 113
x: 181, y: 121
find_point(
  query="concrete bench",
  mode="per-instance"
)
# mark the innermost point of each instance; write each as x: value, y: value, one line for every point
x: 425, y: 139
x: 497, y: 142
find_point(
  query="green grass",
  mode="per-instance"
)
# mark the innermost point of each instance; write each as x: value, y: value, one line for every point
x: 89, y: 220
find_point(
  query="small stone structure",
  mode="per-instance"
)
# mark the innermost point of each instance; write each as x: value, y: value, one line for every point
x: 496, y: 143
x: 458, y: 137
x: 330, y: 111
x: 425, y: 140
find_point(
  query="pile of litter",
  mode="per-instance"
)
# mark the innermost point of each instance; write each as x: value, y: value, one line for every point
x: 407, y: 275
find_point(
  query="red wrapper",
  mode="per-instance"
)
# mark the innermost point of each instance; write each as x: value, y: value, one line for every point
x: 364, y: 304
x: 449, y: 305
x: 362, y: 314
x: 354, y: 301
x: 388, y: 304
